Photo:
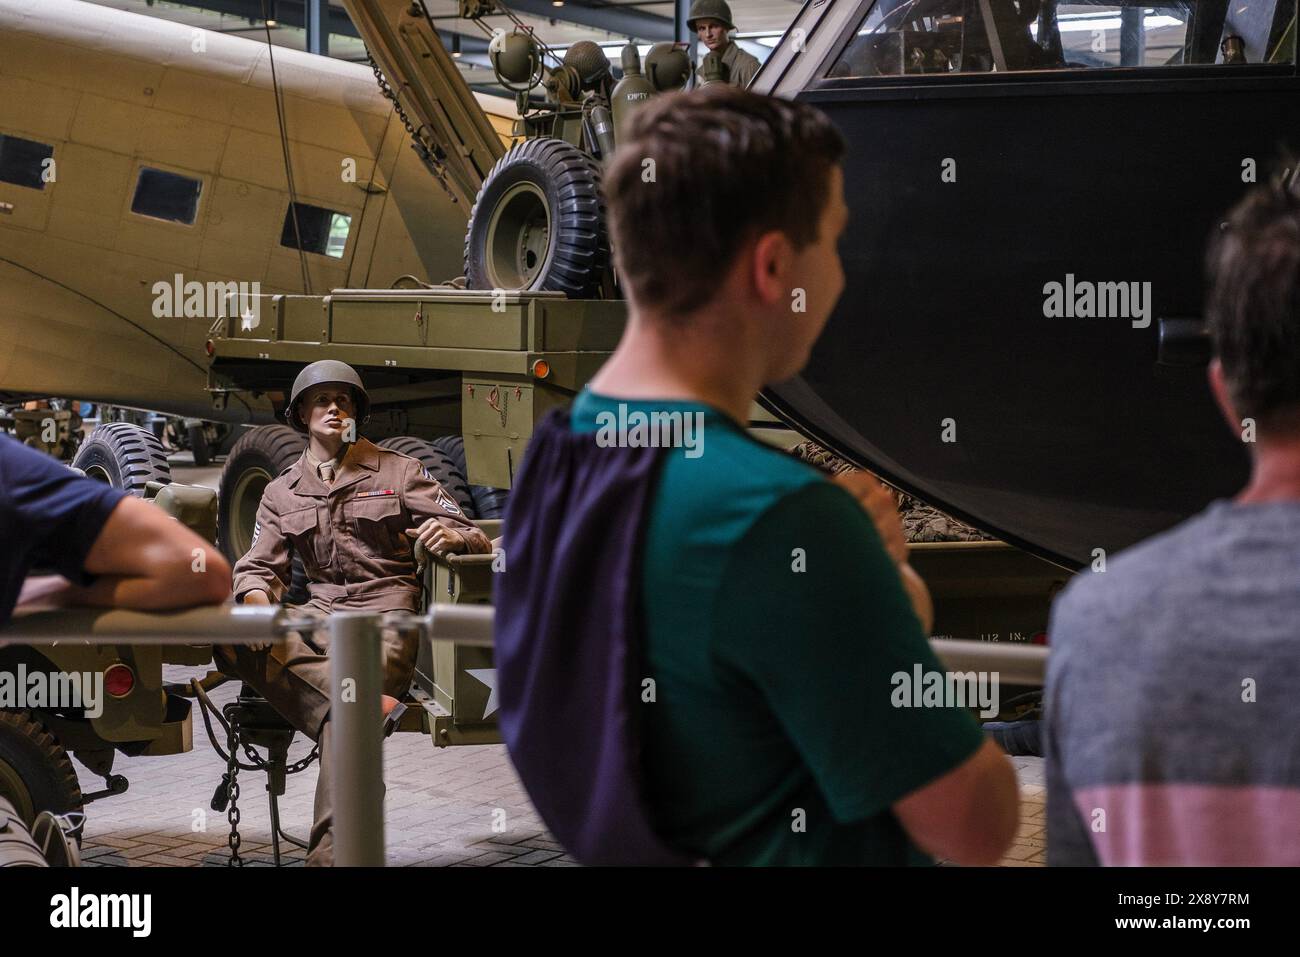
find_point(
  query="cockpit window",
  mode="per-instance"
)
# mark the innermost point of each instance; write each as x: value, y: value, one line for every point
x: 913, y: 37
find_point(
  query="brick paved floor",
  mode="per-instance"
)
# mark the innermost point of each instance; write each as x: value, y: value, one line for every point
x: 1030, y: 846
x: 439, y: 809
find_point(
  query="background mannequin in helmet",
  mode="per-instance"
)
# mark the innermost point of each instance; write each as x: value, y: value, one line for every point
x: 711, y: 21
x: 352, y: 512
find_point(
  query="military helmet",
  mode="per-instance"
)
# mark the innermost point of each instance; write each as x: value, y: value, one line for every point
x: 590, y: 61
x: 516, y: 58
x: 710, y: 10
x: 667, y: 66
x: 326, y: 372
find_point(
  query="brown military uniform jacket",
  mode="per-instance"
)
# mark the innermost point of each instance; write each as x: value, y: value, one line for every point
x: 741, y: 66
x: 351, y: 535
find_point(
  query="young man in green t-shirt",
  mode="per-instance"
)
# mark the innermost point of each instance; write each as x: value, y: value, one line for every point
x: 775, y: 600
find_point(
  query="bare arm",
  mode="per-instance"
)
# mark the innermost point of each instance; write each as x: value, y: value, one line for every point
x: 146, y: 559
x: 969, y: 815
x: 878, y: 502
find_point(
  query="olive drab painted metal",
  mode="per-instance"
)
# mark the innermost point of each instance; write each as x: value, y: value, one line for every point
x: 412, y: 58
x: 456, y: 682
x: 632, y: 91
x: 516, y: 58
x: 440, y: 361
x: 668, y: 66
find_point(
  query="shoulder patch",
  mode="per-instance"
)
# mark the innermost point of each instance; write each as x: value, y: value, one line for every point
x: 447, y: 503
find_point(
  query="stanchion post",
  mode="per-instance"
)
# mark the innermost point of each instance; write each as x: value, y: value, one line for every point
x: 357, y: 757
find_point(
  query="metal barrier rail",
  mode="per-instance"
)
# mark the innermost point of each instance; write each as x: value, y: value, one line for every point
x: 222, y: 625
x: 355, y: 656
x: 1014, y: 664
x: 355, y: 659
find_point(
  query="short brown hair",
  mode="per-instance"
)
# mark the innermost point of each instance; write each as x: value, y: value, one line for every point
x: 1253, y: 306
x: 728, y: 165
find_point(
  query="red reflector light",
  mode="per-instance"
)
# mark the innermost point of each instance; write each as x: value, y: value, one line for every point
x: 119, y: 680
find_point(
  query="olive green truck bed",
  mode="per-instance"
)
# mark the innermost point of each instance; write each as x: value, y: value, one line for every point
x: 484, y: 365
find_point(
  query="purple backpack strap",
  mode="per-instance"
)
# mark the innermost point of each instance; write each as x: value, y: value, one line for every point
x: 569, y: 629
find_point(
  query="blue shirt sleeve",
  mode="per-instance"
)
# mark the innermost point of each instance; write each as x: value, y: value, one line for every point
x: 49, y: 515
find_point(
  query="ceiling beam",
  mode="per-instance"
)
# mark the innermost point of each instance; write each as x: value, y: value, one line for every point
x: 293, y: 13
x: 614, y: 19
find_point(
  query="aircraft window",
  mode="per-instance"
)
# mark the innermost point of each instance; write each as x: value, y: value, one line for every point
x: 165, y: 195
x: 910, y: 37
x: 22, y: 162
x: 322, y: 230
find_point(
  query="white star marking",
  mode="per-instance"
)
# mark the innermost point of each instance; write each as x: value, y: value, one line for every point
x: 487, y: 676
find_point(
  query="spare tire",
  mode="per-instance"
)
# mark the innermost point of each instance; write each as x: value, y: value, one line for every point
x: 538, y: 222
x: 255, y: 460
x: 440, y: 465
x: 489, y: 502
x: 124, y: 456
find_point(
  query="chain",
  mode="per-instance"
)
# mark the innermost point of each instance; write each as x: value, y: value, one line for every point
x: 262, y: 764
x: 232, y: 791
x: 428, y: 152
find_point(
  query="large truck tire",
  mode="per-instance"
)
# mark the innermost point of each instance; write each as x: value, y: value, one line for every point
x: 489, y: 502
x: 124, y: 456
x: 440, y: 465
x: 538, y: 222
x: 255, y: 460
x: 36, y: 773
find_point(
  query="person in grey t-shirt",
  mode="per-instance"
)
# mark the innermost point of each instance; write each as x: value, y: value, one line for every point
x: 1173, y: 718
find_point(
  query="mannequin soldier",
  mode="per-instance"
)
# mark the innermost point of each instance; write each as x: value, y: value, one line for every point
x: 711, y: 21
x: 352, y: 512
